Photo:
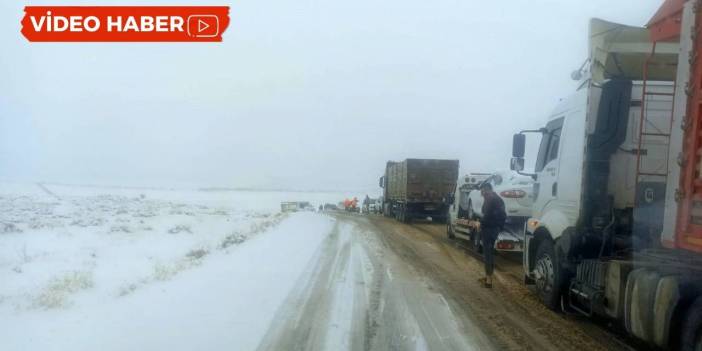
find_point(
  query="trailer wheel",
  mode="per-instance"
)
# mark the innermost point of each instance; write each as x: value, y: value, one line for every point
x: 548, y: 276
x: 405, y: 217
x: 691, y: 334
x: 402, y: 214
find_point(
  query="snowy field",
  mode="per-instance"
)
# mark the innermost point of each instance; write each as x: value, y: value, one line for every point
x: 87, y: 268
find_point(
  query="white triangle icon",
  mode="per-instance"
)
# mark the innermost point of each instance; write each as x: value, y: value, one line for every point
x: 202, y: 25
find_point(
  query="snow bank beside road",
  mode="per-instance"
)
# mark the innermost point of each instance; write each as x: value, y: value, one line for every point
x: 227, y: 303
x: 126, y: 271
x: 52, y: 249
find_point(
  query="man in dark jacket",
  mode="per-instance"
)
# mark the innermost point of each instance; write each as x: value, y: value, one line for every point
x: 491, y: 223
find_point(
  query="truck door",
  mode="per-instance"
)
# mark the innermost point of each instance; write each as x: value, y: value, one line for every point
x: 546, y: 185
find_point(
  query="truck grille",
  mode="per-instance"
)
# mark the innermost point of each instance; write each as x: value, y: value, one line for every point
x: 592, y: 273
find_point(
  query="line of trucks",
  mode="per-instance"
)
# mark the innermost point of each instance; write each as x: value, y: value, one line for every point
x: 614, y: 223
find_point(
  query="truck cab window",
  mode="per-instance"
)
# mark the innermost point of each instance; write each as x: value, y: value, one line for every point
x: 541, y: 156
x: 548, y: 150
x: 553, y: 145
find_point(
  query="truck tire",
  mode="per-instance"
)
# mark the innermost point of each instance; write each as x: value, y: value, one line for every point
x: 549, y: 276
x: 691, y: 333
x: 401, y: 214
x: 405, y: 217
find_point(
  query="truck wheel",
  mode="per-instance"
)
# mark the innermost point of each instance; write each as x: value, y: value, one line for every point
x: 405, y: 217
x: 401, y: 214
x: 691, y: 334
x: 549, y: 279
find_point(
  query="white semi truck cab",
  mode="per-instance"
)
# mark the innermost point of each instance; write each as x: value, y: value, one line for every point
x: 616, y: 225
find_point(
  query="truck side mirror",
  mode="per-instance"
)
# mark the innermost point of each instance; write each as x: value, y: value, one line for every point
x: 516, y: 164
x: 381, y: 182
x: 518, y: 145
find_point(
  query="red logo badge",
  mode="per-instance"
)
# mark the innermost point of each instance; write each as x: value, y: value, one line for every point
x: 124, y: 23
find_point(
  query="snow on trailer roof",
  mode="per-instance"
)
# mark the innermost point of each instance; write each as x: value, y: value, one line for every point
x: 621, y: 51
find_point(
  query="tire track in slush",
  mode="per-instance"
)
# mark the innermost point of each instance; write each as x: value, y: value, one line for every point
x: 346, y: 300
x: 296, y: 324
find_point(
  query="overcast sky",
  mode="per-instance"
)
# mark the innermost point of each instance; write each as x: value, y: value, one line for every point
x: 300, y: 94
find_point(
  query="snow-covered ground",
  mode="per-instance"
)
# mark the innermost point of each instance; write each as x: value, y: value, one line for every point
x: 86, y: 268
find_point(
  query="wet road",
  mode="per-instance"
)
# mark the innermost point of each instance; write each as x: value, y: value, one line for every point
x: 376, y: 284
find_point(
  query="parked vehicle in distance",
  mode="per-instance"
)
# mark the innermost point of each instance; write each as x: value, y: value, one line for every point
x: 458, y: 224
x: 294, y: 206
x: 288, y: 206
x: 516, y: 191
x: 371, y: 207
x: 418, y: 188
x: 330, y: 207
x: 351, y: 205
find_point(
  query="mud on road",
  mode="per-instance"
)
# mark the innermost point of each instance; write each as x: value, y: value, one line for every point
x: 377, y: 284
x: 509, y: 314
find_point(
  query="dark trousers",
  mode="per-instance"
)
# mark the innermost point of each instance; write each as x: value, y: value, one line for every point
x: 489, y: 235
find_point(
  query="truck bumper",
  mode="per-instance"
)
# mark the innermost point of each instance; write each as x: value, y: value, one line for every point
x: 508, y: 241
x: 422, y: 210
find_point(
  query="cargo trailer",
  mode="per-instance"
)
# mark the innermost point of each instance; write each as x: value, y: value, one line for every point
x: 418, y: 188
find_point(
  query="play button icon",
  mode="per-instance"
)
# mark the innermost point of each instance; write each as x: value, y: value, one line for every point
x: 203, y: 26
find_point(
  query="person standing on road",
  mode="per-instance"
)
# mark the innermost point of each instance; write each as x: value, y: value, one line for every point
x: 491, y: 223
